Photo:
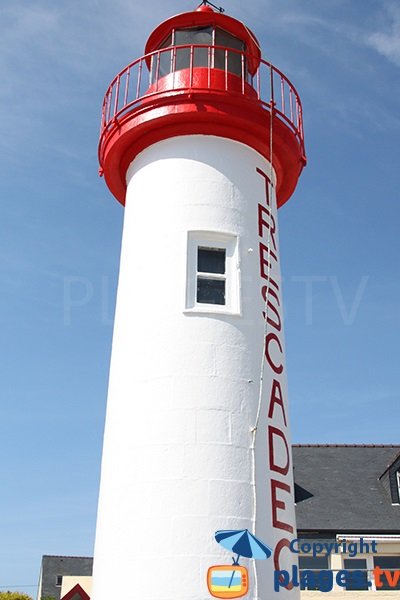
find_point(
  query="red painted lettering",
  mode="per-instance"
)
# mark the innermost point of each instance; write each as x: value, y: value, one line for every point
x: 268, y: 340
x: 283, y: 543
x: 277, y: 324
x: 276, y: 398
x: 271, y: 226
x: 265, y: 253
x: 266, y: 289
x: 273, y: 434
x: 267, y: 184
x: 279, y: 504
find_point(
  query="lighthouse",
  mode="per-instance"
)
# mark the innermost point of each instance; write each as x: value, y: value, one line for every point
x: 201, y: 141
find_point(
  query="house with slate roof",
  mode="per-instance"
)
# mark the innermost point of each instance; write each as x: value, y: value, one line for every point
x: 350, y: 494
x: 347, y: 496
x: 55, y: 568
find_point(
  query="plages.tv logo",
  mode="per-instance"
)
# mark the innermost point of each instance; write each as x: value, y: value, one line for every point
x: 324, y: 580
x: 232, y: 581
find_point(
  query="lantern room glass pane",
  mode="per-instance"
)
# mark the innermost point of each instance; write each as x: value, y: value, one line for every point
x: 161, y: 63
x: 223, y: 38
x: 232, y: 61
x: 195, y: 36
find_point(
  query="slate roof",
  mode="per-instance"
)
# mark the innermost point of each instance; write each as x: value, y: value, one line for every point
x: 339, y: 490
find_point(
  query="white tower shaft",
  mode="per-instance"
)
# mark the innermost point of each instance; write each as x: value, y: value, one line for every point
x: 185, y: 378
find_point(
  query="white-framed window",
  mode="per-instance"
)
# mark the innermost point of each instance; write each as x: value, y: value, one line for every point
x: 213, y: 274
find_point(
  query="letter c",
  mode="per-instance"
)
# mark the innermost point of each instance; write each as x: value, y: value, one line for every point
x: 292, y: 548
x: 276, y: 368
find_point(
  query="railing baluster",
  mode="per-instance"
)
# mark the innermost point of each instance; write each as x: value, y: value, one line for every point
x: 103, y: 116
x: 139, y: 78
x: 283, y: 94
x: 116, y: 99
x: 291, y: 104
x: 128, y: 74
x: 208, y: 67
x: 158, y: 70
x: 109, y: 98
x: 226, y: 70
x: 173, y: 65
x: 191, y: 67
x: 271, y: 76
x: 243, y: 71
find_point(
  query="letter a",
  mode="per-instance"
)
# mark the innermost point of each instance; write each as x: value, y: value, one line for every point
x: 276, y: 398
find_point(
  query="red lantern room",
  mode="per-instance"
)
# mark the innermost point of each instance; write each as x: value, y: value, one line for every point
x: 202, y: 73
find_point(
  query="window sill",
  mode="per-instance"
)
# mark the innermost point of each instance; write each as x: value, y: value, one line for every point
x: 212, y: 309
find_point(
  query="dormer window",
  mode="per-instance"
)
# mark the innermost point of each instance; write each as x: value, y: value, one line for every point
x: 227, y: 57
x: 390, y: 480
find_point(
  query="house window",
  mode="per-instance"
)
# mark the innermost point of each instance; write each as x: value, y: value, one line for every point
x: 59, y: 580
x: 212, y: 273
x: 310, y: 568
x: 388, y: 576
x: 358, y: 574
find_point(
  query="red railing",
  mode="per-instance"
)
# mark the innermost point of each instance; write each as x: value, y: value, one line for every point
x: 145, y: 77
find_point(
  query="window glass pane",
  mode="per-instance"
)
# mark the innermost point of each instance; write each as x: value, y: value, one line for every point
x: 195, y: 35
x: 356, y: 580
x: 202, y: 57
x: 233, y: 62
x: 182, y: 59
x: 211, y: 260
x: 166, y: 43
x: 233, y: 59
x: 225, y: 39
x: 390, y: 566
x: 387, y: 562
x: 210, y: 291
x: 310, y: 577
x: 313, y: 562
x: 160, y: 65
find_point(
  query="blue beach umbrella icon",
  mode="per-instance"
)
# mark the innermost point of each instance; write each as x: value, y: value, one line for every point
x: 242, y: 543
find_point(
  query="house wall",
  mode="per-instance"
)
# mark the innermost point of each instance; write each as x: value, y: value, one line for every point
x: 69, y: 582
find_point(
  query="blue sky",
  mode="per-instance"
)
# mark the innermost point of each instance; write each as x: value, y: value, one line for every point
x: 61, y: 231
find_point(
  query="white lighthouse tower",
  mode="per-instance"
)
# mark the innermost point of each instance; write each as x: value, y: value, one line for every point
x: 201, y: 140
